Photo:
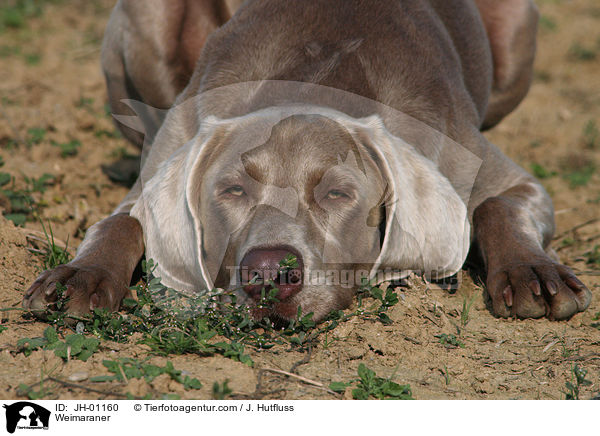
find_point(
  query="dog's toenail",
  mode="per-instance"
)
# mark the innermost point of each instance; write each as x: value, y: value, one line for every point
x: 536, y: 288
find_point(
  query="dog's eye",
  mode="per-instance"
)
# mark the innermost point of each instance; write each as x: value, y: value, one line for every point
x: 334, y: 194
x: 236, y: 190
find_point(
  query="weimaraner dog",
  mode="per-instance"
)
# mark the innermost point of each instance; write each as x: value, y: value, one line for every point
x: 346, y: 133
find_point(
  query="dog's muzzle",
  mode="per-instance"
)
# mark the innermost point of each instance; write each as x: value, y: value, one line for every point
x: 260, y: 266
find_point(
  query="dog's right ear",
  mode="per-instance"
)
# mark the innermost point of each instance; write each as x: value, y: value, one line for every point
x: 172, y: 235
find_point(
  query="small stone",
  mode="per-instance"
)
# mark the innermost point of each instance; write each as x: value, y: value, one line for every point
x: 564, y: 114
x: 78, y: 376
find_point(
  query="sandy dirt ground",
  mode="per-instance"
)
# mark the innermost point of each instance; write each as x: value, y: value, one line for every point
x: 52, y: 93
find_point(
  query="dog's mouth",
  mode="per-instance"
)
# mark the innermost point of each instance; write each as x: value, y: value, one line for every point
x: 280, y: 314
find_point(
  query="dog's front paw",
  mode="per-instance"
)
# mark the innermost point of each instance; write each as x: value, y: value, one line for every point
x: 536, y: 287
x: 85, y: 288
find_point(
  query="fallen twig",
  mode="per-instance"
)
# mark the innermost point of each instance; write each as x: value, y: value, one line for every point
x: 299, y: 377
x: 577, y: 227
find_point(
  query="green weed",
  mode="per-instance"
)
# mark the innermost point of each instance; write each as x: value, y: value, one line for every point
x: 450, y: 341
x: 20, y: 204
x: 369, y: 385
x: 466, y: 308
x: 220, y: 391
x: 548, y: 23
x: 118, y: 153
x: 543, y: 77
x: 67, y: 149
x: 383, y: 301
x: 593, y: 256
x: 35, y: 135
x: 75, y: 346
x: 577, y: 381
x: 43, y: 391
x: 103, y: 133
x: 567, y: 242
x: 446, y: 375
x: 84, y: 102
x: 596, y: 318
x: 541, y: 172
x: 170, y: 322
x: 53, y: 255
x: 591, y: 134
x: 580, y: 176
x: 578, y: 52
x: 14, y: 14
x: 124, y: 369
x: 32, y: 58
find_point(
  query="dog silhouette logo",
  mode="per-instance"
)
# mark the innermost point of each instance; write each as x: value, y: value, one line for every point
x: 26, y: 415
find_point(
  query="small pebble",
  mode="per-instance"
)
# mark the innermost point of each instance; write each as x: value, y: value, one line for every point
x: 78, y: 376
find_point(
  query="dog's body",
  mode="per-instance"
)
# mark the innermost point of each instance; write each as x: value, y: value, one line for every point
x: 449, y: 67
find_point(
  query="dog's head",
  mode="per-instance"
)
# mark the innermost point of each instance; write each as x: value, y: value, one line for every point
x: 305, y: 200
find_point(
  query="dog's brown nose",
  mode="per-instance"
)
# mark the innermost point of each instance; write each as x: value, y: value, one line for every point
x: 281, y: 265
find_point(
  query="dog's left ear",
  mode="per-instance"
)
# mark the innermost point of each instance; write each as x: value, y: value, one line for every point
x: 427, y: 228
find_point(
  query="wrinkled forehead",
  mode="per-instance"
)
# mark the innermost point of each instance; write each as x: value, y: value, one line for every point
x: 290, y: 149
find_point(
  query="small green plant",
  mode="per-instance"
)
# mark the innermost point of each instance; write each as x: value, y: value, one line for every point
x: 369, y: 385
x: 75, y: 346
x: 21, y: 205
x: 32, y: 58
x: 84, y: 102
x: 5, y: 179
x: 580, y: 53
x: 103, y: 133
x: 567, y: 242
x: 220, y: 391
x: 387, y: 299
x: 466, y: 308
x: 591, y: 134
x: 548, y: 23
x: 593, y: 256
x: 124, y: 369
x: 39, y: 184
x: 543, y: 77
x: 53, y: 255
x: 577, y: 381
x: 541, y: 172
x: 120, y: 153
x: 446, y: 375
x: 3, y: 328
x: 35, y: 135
x: 67, y: 149
x: 580, y: 176
x: 15, y: 13
x: 288, y: 262
x: 449, y: 340
x: 42, y: 392
x: 19, y: 201
x: 205, y: 324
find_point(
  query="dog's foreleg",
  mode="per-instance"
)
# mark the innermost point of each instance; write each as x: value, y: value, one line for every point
x: 513, y: 231
x: 99, y: 275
